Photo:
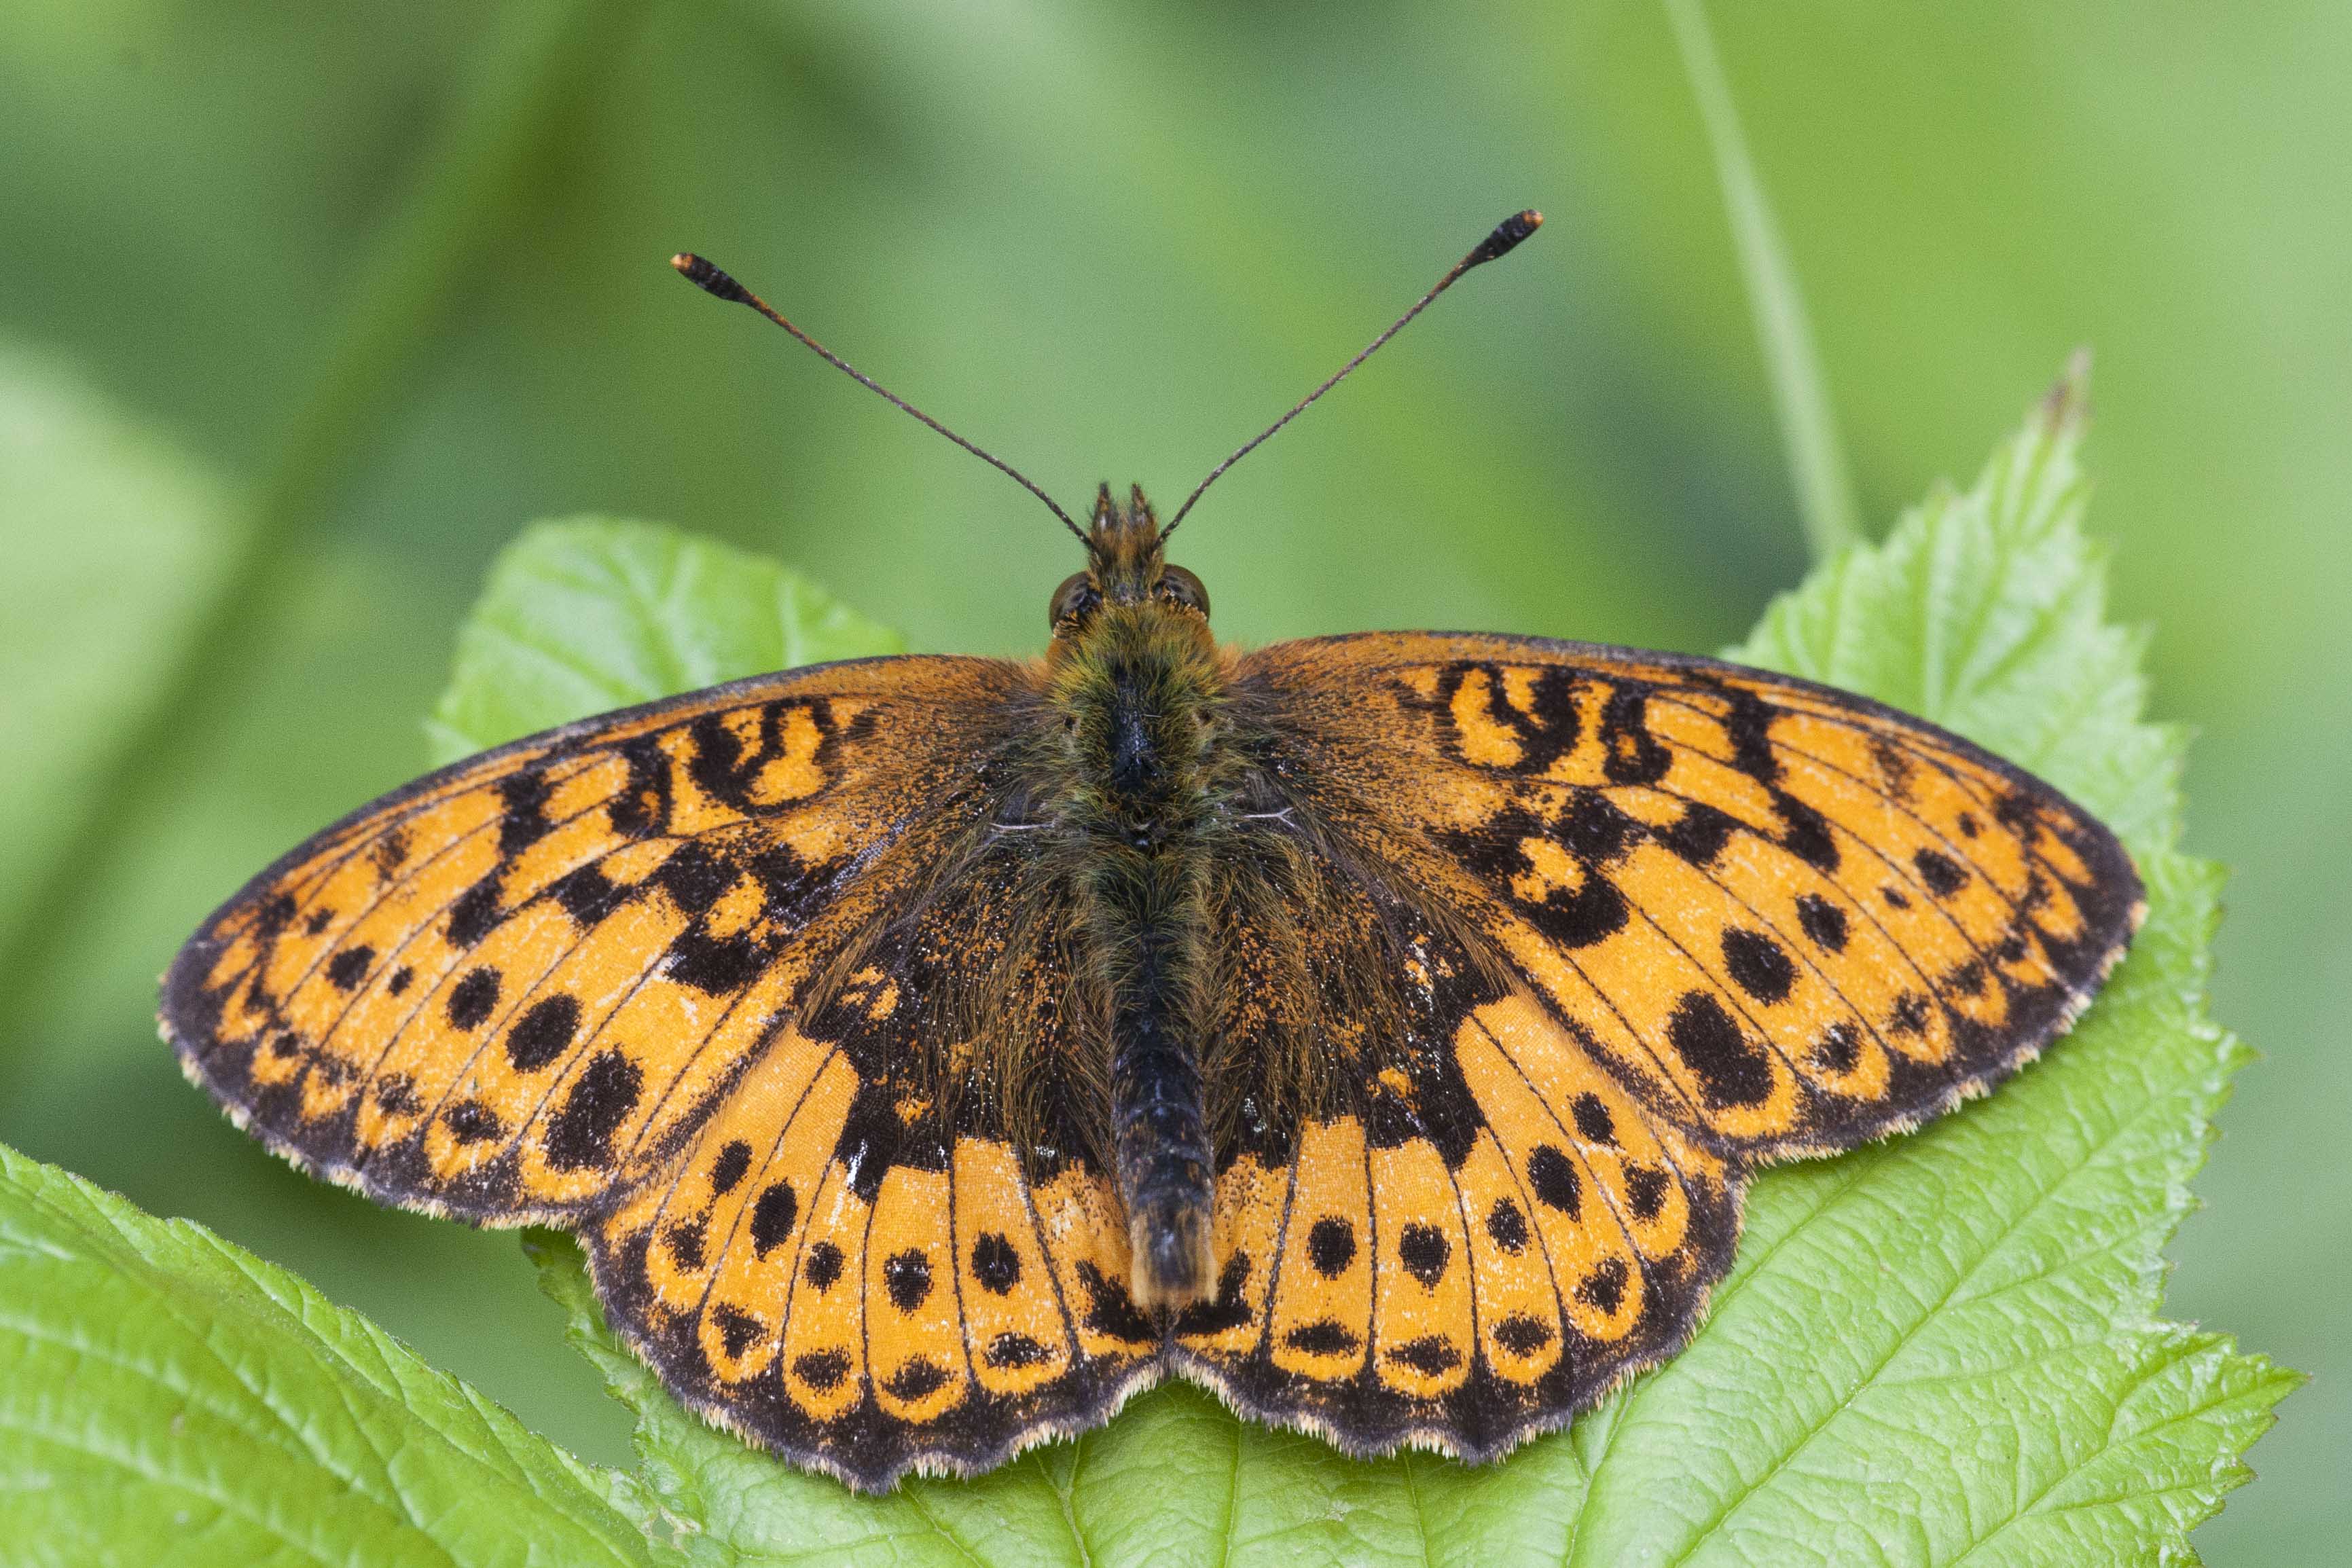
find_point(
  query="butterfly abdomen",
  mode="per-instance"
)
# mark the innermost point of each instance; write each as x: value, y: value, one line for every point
x: 1140, y: 696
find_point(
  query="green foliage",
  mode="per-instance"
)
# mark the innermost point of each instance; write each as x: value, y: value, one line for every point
x: 128, y: 544
x: 587, y: 614
x: 1940, y: 1348
x: 167, y: 1398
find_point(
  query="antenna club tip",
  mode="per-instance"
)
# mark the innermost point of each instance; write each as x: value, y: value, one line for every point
x: 1506, y: 237
x: 709, y: 278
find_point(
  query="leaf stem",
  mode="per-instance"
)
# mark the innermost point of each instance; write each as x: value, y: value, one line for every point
x: 1800, y: 398
x: 526, y: 76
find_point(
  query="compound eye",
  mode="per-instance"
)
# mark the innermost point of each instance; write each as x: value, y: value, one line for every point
x: 1077, y: 596
x: 1182, y: 587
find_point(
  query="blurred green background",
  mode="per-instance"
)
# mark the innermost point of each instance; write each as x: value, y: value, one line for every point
x: 305, y: 309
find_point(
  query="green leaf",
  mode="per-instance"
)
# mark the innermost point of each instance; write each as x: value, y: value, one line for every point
x: 167, y: 1398
x: 1986, y: 611
x: 1939, y: 1349
x: 585, y: 614
x: 115, y: 538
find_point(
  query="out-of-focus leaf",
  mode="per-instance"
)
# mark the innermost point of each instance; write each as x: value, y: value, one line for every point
x: 584, y: 614
x: 114, y: 540
x: 167, y: 1398
x: 1941, y: 1347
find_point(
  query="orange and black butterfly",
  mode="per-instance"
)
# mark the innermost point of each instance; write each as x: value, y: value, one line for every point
x: 1379, y: 1029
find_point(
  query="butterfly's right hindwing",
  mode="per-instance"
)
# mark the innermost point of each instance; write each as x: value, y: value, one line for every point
x: 868, y: 1275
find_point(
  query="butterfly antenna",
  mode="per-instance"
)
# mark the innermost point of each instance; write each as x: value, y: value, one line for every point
x: 711, y: 280
x: 1507, y: 234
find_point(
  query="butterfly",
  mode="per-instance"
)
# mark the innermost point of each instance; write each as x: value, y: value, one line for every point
x: 1379, y: 1029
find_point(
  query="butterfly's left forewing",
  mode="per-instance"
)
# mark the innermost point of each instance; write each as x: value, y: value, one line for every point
x: 1790, y: 917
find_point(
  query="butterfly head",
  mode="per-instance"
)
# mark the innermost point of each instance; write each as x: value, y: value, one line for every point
x: 1125, y: 568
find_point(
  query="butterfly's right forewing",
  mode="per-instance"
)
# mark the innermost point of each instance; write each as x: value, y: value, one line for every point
x: 506, y: 990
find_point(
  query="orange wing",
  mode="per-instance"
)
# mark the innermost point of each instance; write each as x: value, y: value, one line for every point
x: 510, y: 987
x: 1659, y: 919
x: 872, y: 1257
x: 730, y: 984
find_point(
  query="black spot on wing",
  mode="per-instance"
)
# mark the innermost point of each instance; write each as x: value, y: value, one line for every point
x: 907, y: 1276
x: 1605, y: 1287
x: 1430, y: 1355
x: 1323, y: 1337
x: 918, y: 1377
x: 823, y: 1266
x: 473, y: 997
x: 772, y: 1214
x: 1331, y: 1246
x: 346, y: 968
x: 1111, y: 1311
x: 995, y: 1263
x: 821, y: 1370
x: 543, y: 1033
x: 1700, y: 834
x: 600, y: 1100
x: 1424, y: 1250
x: 522, y: 819
x: 1942, y: 874
x: 1225, y: 1310
x: 1015, y: 1350
x: 1805, y: 833
x: 734, y: 1162
x: 1908, y: 1016
x: 1507, y: 1226
x: 391, y: 852
x: 737, y: 1329
x: 643, y: 805
x: 1646, y: 1191
x: 1731, y: 1069
x: 1521, y: 1334
x: 694, y: 877
x: 1630, y: 754
x: 1551, y: 1176
x: 476, y: 912
x: 1758, y: 965
x: 1837, y: 1050
x: 1748, y: 721
x: 715, y: 965
x: 587, y: 894
x: 395, y: 1094
x: 1824, y: 921
x: 471, y: 1122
